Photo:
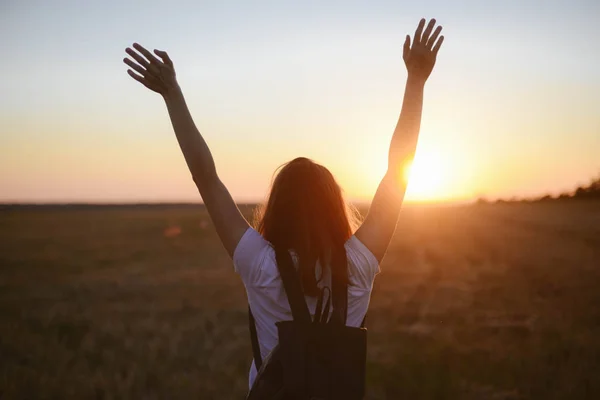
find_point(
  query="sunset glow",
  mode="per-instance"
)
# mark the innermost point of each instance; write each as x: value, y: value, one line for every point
x: 266, y: 83
x: 425, y: 176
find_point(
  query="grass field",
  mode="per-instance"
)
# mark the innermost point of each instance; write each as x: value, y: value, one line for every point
x: 473, y: 302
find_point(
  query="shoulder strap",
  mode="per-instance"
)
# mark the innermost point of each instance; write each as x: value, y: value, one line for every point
x: 339, y: 287
x: 254, y: 340
x: 292, y: 286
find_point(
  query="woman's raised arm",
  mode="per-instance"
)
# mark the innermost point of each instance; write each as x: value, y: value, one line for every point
x: 158, y: 75
x: 419, y: 58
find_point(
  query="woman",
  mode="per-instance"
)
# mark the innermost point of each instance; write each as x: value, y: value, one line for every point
x: 305, y: 212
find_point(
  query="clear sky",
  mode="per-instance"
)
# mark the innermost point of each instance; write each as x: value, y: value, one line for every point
x: 512, y: 107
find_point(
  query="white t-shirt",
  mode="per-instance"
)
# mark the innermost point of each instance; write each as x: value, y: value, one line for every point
x: 254, y: 261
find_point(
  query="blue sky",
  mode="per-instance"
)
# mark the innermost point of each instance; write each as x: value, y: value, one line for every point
x: 511, y: 108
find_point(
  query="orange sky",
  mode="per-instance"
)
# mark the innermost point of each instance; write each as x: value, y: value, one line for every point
x: 511, y: 109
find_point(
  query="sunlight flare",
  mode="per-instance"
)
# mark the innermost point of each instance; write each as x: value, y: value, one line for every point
x: 426, y: 176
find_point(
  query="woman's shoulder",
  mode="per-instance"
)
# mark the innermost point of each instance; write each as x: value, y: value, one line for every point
x: 363, y: 266
x: 251, y: 252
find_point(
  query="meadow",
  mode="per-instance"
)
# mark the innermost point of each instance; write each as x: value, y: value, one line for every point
x: 492, y: 301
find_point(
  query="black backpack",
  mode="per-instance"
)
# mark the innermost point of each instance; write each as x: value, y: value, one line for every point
x: 320, y: 359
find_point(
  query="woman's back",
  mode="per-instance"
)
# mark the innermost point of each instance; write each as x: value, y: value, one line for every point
x: 254, y: 260
x: 305, y: 210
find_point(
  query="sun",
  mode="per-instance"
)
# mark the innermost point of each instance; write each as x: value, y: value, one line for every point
x: 433, y: 176
x: 425, y: 176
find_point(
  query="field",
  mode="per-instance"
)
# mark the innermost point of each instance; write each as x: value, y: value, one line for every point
x: 473, y: 302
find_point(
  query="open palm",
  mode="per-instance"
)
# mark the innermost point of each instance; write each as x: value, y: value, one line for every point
x: 420, y: 57
x: 157, y: 75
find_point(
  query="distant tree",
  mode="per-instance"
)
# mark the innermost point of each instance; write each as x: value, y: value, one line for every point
x: 581, y: 191
x: 591, y: 191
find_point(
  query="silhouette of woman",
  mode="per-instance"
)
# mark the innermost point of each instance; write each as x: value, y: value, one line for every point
x: 305, y: 211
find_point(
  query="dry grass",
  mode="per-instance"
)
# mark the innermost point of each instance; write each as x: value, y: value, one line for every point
x: 474, y: 302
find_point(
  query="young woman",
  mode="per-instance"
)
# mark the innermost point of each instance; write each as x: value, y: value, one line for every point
x: 305, y: 212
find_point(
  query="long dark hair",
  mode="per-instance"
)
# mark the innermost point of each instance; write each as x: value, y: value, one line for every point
x: 306, y: 212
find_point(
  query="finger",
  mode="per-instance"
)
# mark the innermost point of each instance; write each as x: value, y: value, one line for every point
x: 417, y: 37
x: 141, y: 60
x: 136, y: 67
x: 146, y: 53
x: 141, y: 80
x: 164, y: 56
x: 428, y: 30
x: 406, y: 49
x: 433, y: 37
x: 437, y: 46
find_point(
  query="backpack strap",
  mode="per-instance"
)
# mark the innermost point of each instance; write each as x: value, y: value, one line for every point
x: 254, y: 340
x: 340, y: 302
x: 292, y: 286
x: 339, y: 287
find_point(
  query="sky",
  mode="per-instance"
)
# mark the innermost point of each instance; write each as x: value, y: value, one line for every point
x: 511, y: 108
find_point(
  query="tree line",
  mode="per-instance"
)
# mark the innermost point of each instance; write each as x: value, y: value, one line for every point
x: 589, y: 191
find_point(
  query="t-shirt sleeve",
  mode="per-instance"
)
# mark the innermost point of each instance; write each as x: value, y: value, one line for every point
x: 248, y: 255
x: 363, y: 264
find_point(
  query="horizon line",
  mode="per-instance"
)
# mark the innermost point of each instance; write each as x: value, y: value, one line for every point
x: 193, y: 203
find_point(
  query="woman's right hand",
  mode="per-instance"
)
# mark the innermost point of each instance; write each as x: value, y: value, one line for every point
x: 157, y: 75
